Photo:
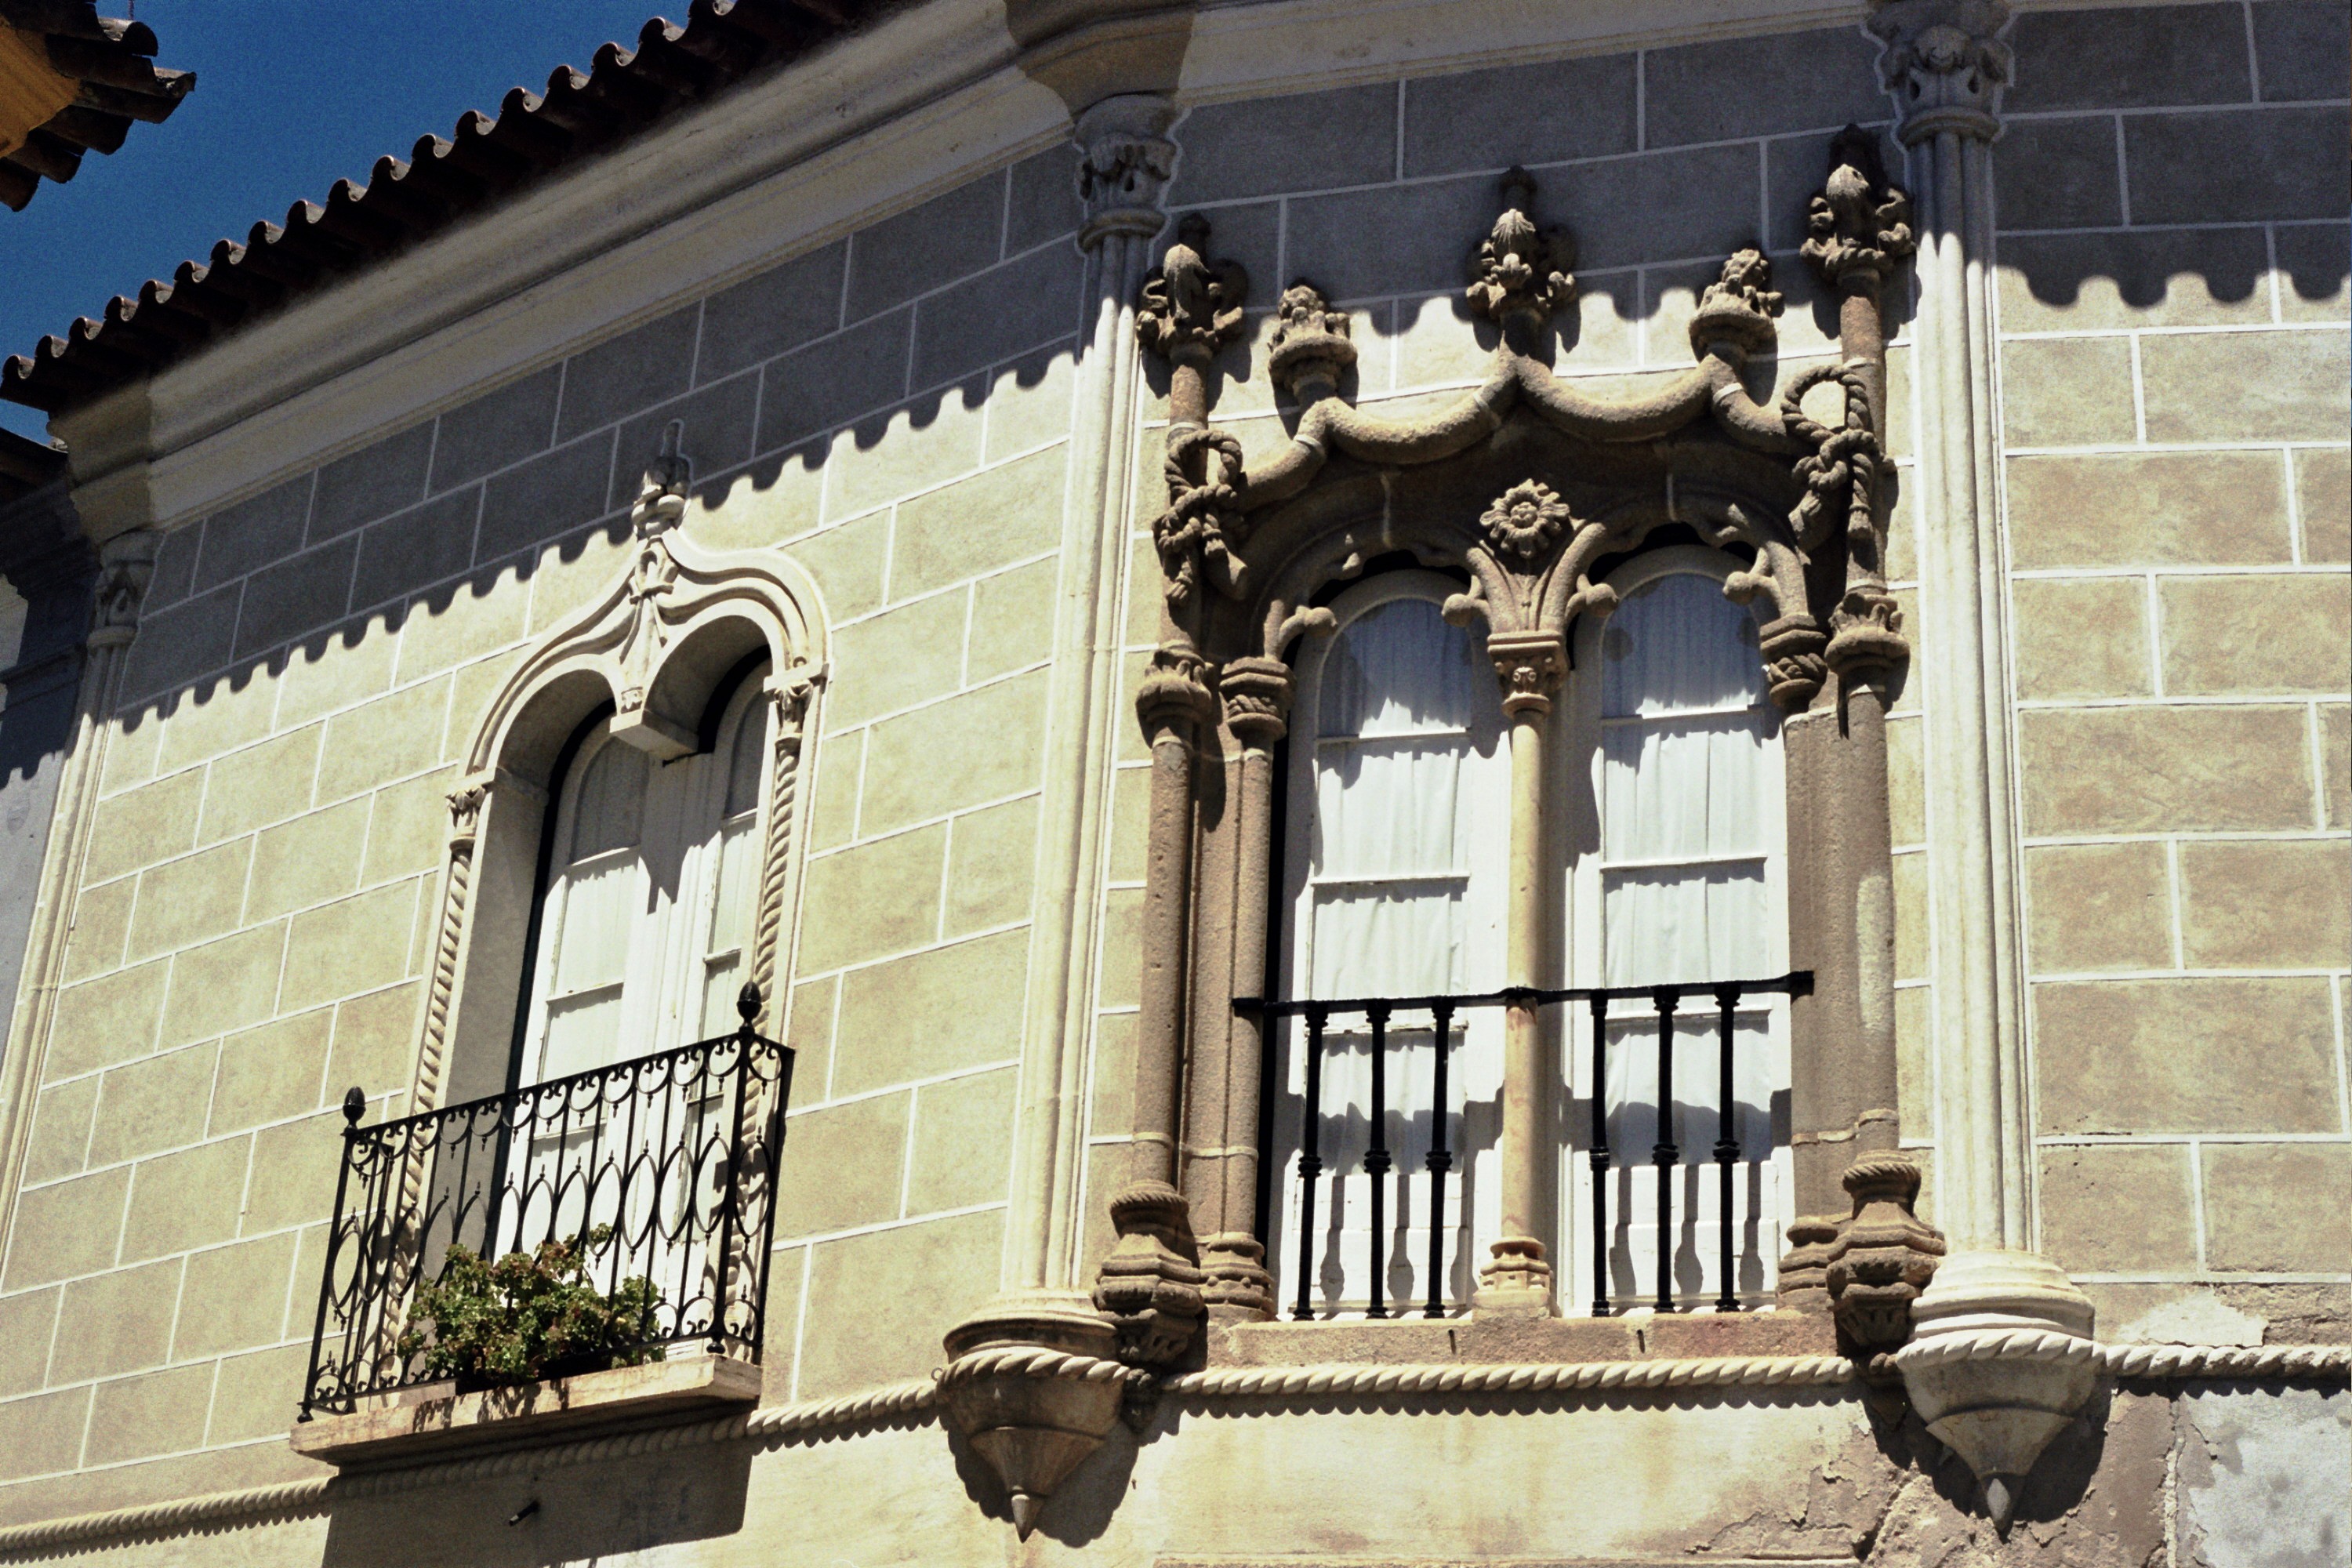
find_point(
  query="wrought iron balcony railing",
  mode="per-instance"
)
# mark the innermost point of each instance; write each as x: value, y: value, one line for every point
x: 1664, y: 1002
x: 659, y: 1170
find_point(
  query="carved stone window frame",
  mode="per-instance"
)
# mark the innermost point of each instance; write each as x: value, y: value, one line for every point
x: 655, y: 645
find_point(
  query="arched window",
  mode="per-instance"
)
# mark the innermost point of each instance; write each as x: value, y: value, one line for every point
x: 647, y: 897
x: 1398, y: 828
x: 1677, y: 813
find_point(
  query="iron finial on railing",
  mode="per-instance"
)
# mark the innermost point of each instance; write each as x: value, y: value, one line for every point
x: 354, y: 1104
x: 747, y: 1006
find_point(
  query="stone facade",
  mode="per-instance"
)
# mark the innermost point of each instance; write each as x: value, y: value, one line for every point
x: 933, y: 413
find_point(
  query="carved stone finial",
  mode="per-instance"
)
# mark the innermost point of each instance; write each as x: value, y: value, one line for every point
x: 1191, y: 306
x: 125, y: 564
x: 1126, y: 162
x: 1149, y: 1284
x: 1257, y: 694
x: 661, y: 497
x: 1525, y: 524
x: 1519, y: 268
x: 1311, y: 344
x: 1857, y: 227
x: 1739, y: 306
x: 1945, y: 65
x: 1884, y: 1255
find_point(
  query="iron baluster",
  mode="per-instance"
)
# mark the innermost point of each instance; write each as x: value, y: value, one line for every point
x: 1439, y: 1162
x: 1599, y: 1155
x: 1310, y: 1164
x: 1376, y: 1161
x: 1727, y: 1142
x: 1663, y: 1153
x: 354, y: 1107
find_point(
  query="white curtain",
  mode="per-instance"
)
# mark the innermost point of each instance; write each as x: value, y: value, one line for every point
x: 1689, y: 893
x: 1401, y: 783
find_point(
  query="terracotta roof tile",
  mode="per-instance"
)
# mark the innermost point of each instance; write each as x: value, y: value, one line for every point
x: 103, y: 63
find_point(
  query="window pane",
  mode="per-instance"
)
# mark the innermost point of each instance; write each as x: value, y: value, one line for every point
x: 1388, y: 942
x: 609, y: 811
x: 1677, y: 644
x: 730, y: 912
x: 582, y: 1032
x: 1400, y: 669
x: 600, y: 903
x: 751, y: 753
x: 1388, y: 808
x: 1686, y: 926
x: 1685, y: 788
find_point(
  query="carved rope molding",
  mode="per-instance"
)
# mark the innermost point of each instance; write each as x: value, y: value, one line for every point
x: 920, y: 1396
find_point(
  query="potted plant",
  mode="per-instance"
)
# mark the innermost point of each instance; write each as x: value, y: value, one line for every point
x: 529, y: 1316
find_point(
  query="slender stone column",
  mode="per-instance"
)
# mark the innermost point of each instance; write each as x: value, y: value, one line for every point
x: 125, y: 564
x: 1127, y: 163
x: 1519, y: 1280
x: 1988, y: 1366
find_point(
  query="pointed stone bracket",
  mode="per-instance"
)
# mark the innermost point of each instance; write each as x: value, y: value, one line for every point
x: 1032, y: 1384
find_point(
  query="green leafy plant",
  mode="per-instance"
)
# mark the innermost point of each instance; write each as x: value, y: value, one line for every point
x: 529, y: 1315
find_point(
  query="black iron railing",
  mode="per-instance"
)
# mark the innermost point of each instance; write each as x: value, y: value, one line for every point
x: 1665, y: 1003
x: 661, y: 1169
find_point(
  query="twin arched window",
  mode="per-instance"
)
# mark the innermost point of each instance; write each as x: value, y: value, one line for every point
x: 1666, y: 847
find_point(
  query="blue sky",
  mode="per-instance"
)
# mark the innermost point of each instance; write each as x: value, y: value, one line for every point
x: 291, y: 95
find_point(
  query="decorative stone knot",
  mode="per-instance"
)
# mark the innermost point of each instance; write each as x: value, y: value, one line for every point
x: 1794, y: 667
x: 1520, y: 270
x: 1884, y: 1256
x: 1191, y: 308
x: 1857, y: 227
x: 1525, y: 524
x: 1737, y: 308
x: 1257, y: 700
x: 1944, y: 65
x: 1149, y: 1285
x: 1203, y: 528
x: 1312, y: 345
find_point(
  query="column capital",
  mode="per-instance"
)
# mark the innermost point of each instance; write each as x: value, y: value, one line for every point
x: 1257, y: 694
x: 125, y: 564
x: 1945, y: 65
x: 1127, y: 162
x: 1531, y: 666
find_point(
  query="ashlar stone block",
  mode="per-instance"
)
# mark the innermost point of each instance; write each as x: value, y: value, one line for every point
x: 2098, y: 906
x: 2066, y: 392
x: 843, y: 1166
x: 2292, y: 386
x: 2282, y: 904
x: 993, y: 519
x: 2148, y: 56
x: 353, y: 946
x: 60, y: 1142
x: 931, y: 1013
x: 116, y: 1323
x: 256, y: 1394
x: 270, y: 1073
x: 898, y: 659
x: 495, y: 429
x: 156, y: 1413
x: 102, y: 924
x: 375, y: 1041
x: 874, y: 899
x: 2185, y: 509
x: 306, y: 861
x: 153, y: 1105
x: 2058, y: 174
x: 186, y: 1200
x: 627, y: 371
x: 2190, y: 1054
x: 235, y: 1297
x: 110, y: 1019
x: 961, y: 1151
x: 389, y: 738
x: 2302, y: 47
x: 2143, y: 770
x: 189, y: 899
x: 991, y: 867
x: 855, y: 1336
x: 2241, y: 166
x: 1732, y: 88
x: 2335, y: 759
x: 67, y: 1229
x: 2266, y: 1207
x: 927, y: 443
x: 1012, y: 621
x: 980, y: 746
x: 333, y: 672
x: 374, y: 481
x: 2119, y: 1209
x: 778, y: 309
x: 294, y: 1167
x: 42, y: 1435
x: 142, y: 827
x: 220, y: 717
x: 262, y: 785
x: 1543, y: 113
x: 224, y: 985
x: 2163, y: 278
x: 28, y: 1323
x: 2086, y: 638
x: 2322, y: 497
x: 1301, y: 142
x: 2257, y: 635
x: 250, y: 534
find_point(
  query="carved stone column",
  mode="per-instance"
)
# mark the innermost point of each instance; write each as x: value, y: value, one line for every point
x: 1531, y: 666
x: 126, y: 562
x: 1969, y: 1368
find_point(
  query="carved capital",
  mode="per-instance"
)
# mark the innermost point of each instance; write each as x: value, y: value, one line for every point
x: 1945, y: 65
x: 1149, y: 1285
x: 1794, y: 667
x: 1312, y: 345
x: 1737, y: 308
x: 1125, y: 164
x: 1257, y: 694
x: 1857, y: 227
x: 1173, y: 694
x: 1520, y: 270
x: 1530, y: 666
x: 790, y: 693
x: 125, y: 564
x: 1191, y: 306
x: 1524, y: 525
x: 1884, y: 1255
x: 466, y: 803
